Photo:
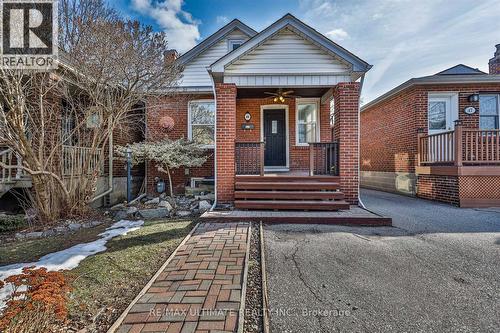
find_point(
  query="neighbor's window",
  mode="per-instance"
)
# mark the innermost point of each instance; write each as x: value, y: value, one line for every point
x: 307, y: 121
x: 202, y: 122
x: 489, y: 112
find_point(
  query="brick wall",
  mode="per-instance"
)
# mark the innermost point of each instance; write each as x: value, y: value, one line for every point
x: 389, y: 129
x: 439, y: 188
x: 176, y: 107
x: 131, y: 132
x: 494, y: 62
x: 299, y: 155
x: 346, y: 96
x: 225, y: 139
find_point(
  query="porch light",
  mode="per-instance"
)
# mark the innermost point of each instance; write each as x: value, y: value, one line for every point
x: 473, y: 98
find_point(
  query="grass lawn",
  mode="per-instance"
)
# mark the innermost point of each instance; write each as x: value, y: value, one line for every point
x: 107, y: 282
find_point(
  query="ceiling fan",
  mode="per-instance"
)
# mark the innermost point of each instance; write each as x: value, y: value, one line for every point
x: 280, y: 95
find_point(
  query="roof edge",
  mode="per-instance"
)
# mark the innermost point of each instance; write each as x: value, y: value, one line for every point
x: 428, y: 80
x: 358, y: 64
x: 214, y: 38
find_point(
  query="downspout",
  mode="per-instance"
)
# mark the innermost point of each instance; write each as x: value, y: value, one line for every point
x: 110, y: 166
x: 359, y: 143
x: 215, y: 146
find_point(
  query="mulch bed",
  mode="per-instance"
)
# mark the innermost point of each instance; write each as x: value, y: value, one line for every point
x: 253, y: 298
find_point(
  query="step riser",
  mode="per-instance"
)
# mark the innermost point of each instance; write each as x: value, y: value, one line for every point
x: 325, y: 206
x: 328, y: 179
x: 291, y: 195
x: 287, y: 186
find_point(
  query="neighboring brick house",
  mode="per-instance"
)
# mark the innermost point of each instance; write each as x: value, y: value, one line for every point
x: 457, y: 158
x: 111, y: 186
x: 277, y: 110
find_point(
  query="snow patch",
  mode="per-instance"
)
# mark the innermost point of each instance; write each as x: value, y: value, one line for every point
x: 68, y: 258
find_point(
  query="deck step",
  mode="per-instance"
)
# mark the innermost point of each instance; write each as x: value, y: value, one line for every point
x: 289, y: 195
x: 298, y: 186
x: 291, y: 205
x: 279, y: 178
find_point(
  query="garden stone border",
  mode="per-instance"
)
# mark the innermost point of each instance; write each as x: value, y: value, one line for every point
x: 59, y: 230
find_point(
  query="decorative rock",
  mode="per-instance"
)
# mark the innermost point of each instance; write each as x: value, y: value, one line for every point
x: 20, y: 235
x: 48, y: 233
x: 204, y: 205
x: 120, y: 215
x: 209, y: 197
x: 119, y: 206
x: 183, y: 213
x: 60, y: 230
x: 36, y: 234
x: 153, y: 201
x: 165, y: 204
x: 154, y: 213
x: 74, y: 226
x: 132, y: 210
x: 96, y: 223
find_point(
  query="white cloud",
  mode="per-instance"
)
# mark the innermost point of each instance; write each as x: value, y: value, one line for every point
x: 180, y: 27
x: 222, y: 20
x: 407, y: 38
x: 337, y: 34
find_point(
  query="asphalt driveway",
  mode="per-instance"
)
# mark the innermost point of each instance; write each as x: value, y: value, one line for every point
x: 436, y: 270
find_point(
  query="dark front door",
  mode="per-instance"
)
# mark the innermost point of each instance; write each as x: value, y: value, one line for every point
x: 275, y: 137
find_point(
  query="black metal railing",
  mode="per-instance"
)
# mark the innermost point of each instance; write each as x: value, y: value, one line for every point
x: 324, y: 158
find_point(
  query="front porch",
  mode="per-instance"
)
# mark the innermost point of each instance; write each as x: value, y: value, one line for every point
x: 299, y: 153
x: 461, y: 167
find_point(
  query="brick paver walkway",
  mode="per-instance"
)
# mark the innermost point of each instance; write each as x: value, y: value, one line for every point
x: 200, y: 289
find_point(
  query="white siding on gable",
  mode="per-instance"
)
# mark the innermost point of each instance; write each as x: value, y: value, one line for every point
x: 287, y: 53
x: 195, y: 72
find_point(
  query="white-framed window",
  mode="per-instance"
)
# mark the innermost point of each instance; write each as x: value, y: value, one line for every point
x: 307, y: 121
x: 489, y: 111
x: 201, y: 122
x: 196, y: 181
x: 233, y: 44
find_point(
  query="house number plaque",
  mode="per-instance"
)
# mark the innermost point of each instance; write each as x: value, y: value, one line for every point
x: 470, y: 110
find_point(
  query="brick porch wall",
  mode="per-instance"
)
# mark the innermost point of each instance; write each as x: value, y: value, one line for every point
x: 299, y: 155
x: 346, y: 97
x: 225, y: 140
x: 176, y: 107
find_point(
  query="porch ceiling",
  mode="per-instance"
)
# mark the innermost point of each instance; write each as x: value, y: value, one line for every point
x: 259, y: 92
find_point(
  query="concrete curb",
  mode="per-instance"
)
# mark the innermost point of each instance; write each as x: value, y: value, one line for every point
x: 118, y: 322
x: 265, y: 301
x: 241, y: 318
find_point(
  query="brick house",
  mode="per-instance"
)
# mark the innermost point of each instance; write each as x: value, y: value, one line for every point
x: 73, y: 155
x: 436, y: 137
x: 278, y: 112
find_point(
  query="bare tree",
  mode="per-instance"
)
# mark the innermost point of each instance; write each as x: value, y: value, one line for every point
x: 61, y: 124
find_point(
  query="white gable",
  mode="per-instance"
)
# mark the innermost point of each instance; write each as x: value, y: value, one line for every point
x: 195, y: 71
x: 287, y: 53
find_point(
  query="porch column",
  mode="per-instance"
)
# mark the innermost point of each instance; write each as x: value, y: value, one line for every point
x: 225, y: 139
x: 345, y: 130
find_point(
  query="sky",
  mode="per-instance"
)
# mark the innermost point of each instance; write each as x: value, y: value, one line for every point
x: 400, y: 38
